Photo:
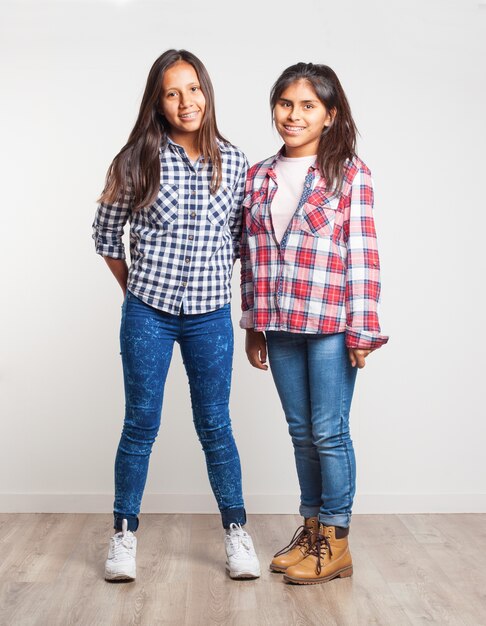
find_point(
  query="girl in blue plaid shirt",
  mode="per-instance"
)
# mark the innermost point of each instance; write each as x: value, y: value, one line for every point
x: 180, y: 184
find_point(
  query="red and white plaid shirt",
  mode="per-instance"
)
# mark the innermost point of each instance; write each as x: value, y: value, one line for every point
x: 324, y: 277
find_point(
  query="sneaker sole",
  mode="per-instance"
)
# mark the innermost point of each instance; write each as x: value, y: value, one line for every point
x: 343, y: 573
x: 114, y: 577
x: 242, y: 575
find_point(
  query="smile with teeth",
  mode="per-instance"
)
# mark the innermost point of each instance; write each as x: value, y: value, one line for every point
x: 294, y: 129
x: 189, y: 116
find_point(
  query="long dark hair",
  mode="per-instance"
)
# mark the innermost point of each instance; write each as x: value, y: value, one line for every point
x: 138, y: 161
x: 338, y: 141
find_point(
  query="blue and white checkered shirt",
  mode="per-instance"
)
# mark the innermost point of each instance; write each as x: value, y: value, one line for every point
x: 182, y: 247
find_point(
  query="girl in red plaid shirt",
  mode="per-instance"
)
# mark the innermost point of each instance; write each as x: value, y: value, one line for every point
x: 310, y: 291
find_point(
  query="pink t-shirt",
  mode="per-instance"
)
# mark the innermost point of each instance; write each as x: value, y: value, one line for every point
x: 291, y: 173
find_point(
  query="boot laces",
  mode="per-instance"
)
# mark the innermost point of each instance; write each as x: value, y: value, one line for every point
x: 301, y: 538
x: 319, y: 550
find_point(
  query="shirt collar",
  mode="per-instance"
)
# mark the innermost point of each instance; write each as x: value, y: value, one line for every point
x: 222, y: 145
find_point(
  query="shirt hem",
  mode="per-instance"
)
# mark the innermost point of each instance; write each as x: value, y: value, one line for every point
x: 176, y: 310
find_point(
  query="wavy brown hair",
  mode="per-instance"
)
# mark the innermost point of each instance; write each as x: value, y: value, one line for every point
x: 338, y: 140
x: 137, y: 165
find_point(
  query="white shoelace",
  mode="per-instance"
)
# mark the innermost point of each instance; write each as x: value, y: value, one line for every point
x: 239, y: 538
x: 122, y: 544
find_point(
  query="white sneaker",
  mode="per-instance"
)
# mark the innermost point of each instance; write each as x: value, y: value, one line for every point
x: 120, y: 564
x: 241, y: 561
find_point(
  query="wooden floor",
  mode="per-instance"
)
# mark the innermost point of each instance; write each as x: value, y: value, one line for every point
x: 408, y: 569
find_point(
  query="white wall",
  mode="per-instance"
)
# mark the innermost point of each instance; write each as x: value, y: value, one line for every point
x: 72, y: 77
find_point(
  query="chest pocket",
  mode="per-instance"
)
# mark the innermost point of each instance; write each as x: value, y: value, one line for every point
x: 253, y: 213
x: 163, y: 212
x: 220, y: 206
x: 319, y: 213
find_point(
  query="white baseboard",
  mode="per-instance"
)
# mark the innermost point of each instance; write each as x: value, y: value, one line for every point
x: 255, y: 503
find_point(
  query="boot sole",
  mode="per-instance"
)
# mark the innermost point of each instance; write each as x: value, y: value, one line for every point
x: 277, y: 570
x: 343, y: 573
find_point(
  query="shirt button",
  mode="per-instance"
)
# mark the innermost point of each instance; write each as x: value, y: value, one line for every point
x: 191, y: 237
x: 193, y: 214
x: 187, y: 259
x: 184, y: 284
x: 193, y: 192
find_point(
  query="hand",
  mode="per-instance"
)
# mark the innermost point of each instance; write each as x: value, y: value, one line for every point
x: 256, y: 349
x: 357, y: 357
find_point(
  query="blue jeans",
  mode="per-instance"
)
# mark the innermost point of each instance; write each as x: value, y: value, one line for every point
x: 147, y: 337
x: 315, y: 382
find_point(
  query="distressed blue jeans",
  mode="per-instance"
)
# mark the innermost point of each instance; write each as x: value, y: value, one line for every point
x: 315, y: 382
x: 147, y: 338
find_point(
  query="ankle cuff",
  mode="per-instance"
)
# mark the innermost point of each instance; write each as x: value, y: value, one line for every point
x: 132, y: 521
x: 233, y: 516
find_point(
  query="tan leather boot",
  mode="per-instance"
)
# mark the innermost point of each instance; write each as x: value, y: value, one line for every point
x: 327, y: 559
x: 298, y: 547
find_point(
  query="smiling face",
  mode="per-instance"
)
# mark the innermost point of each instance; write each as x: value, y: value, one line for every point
x: 182, y: 102
x: 300, y: 118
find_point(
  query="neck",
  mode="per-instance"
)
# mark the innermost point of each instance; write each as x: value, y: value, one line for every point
x: 190, y: 143
x: 295, y: 152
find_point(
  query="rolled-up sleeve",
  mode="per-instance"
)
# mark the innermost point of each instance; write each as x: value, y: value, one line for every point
x: 363, y: 268
x: 109, y: 223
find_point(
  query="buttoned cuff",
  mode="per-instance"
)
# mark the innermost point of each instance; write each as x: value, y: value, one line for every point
x: 246, y: 320
x: 364, y: 339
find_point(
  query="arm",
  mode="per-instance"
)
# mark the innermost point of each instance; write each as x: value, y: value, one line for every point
x: 119, y: 269
x: 236, y: 217
x: 255, y: 343
x: 108, y: 226
x: 363, y: 273
x: 246, y: 277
